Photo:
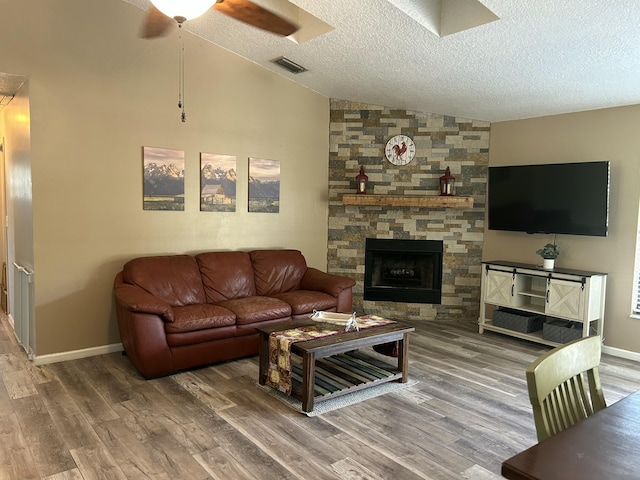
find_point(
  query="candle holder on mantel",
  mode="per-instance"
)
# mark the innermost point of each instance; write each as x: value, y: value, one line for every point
x: 362, y: 181
x: 447, y: 182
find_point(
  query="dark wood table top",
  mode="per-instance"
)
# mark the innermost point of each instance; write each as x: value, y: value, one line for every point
x: 351, y: 340
x: 605, y: 446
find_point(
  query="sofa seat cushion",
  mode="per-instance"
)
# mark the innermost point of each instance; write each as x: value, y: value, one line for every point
x: 186, y: 339
x: 199, y: 317
x: 257, y: 309
x: 306, y: 301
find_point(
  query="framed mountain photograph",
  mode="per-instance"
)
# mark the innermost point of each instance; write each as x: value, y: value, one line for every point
x: 264, y: 185
x: 217, y: 182
x: 163, y: 179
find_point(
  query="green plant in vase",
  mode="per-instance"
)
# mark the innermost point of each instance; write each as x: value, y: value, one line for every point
x: 549, y: 253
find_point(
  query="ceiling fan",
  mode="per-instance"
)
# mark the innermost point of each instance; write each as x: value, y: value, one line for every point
x: 165, y: 13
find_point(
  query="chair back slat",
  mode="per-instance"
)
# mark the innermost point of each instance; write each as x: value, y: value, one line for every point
x: 557, y: 389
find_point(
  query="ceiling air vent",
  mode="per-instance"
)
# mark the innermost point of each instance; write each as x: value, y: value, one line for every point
x: 289, y: 65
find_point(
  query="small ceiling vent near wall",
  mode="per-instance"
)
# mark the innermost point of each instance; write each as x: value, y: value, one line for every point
x: 289, y: 65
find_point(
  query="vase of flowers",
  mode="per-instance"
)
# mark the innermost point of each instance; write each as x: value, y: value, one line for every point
x: 549, y: 253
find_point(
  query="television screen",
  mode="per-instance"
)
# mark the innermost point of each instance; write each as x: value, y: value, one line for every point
x: 565, y: 198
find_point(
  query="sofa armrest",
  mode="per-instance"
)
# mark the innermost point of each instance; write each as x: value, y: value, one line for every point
x: 137, y: 300
x: 317, y: 280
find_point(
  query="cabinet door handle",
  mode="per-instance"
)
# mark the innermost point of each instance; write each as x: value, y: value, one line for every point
x: 512, y: 286
x: 547, y: 296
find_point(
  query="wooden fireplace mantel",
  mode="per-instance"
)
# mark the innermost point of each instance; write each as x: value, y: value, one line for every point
x: 429, y: 201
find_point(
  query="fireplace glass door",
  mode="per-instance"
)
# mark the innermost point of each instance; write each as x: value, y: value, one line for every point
x: 403, y: 270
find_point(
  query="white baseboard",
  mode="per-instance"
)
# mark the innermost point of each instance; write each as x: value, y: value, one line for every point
x: 619, y: 352
x: 76, y: 354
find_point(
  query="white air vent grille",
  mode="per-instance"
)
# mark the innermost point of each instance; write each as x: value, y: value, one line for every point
x: 289, y: 65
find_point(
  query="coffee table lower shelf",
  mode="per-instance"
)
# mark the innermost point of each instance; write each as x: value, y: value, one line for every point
x: 341, y: 360
x: 344, y: 373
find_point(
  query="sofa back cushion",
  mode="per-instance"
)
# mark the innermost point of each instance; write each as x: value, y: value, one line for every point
x: 277, y: 271
x: 226, y: 275
x: 173, y: 278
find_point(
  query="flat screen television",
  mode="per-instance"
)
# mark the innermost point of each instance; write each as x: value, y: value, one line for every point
x: 564, y: 198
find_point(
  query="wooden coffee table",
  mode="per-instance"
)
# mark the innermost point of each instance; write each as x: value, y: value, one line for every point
x: 332, y: 366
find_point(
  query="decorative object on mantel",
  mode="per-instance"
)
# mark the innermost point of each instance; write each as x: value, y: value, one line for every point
x: 400, y: 201
x: 549, y: 253
x: 362, y: 181
x: 447, y: 182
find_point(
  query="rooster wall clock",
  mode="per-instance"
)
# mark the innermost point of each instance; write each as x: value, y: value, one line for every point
x: 400, y: 150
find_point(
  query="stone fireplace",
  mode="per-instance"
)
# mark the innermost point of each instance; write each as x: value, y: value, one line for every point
x: 403, y: 270
x: 358, y: 134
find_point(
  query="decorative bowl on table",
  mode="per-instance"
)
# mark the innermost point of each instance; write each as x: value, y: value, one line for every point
x: 346, y: 320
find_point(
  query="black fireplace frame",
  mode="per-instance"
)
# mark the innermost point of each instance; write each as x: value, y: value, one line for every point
x: 403, y: 294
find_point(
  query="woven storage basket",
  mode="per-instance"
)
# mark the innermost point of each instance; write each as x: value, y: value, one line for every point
x: 518, y: 321
x: 563, y: 331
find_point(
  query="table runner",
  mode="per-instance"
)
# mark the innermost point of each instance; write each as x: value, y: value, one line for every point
x: 279, y: 374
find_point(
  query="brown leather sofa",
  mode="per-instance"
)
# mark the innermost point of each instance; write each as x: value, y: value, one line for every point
x: 182, y: 311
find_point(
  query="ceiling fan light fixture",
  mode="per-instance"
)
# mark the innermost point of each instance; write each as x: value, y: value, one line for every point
x: 183, y: 10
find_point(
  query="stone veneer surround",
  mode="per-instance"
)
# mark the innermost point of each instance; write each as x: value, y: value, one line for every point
x: 358, y: 135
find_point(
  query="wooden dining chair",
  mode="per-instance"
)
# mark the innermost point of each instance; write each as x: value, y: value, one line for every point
x: 556, y: 386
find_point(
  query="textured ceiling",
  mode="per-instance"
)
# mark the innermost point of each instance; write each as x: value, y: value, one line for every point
x: 541, y: 57
x: 9, y: 86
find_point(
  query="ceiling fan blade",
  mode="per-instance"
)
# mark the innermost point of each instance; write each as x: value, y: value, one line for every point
x: 156, y: 24
x: 253, y: 14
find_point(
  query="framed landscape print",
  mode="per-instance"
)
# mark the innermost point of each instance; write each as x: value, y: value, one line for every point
x: 217, y: 182
x: 264, y: 185
x: 163, y: 179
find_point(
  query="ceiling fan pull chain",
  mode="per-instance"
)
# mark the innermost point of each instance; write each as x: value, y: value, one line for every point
x: 183, y: 116
x: 161, y: 18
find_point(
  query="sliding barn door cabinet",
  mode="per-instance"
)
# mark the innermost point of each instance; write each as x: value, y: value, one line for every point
x: 561, y: 296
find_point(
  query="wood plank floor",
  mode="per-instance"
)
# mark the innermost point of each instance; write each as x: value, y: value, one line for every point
x: 97, y: 418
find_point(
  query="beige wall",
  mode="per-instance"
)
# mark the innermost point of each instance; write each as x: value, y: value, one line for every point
x: 98, y: 94
x: 609, y: 134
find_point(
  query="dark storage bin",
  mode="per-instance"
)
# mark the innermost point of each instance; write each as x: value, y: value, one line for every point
x: 518, y: 321
x: 563, y: 331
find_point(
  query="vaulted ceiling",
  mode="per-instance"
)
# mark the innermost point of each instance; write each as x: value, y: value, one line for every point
x: 537, y: 57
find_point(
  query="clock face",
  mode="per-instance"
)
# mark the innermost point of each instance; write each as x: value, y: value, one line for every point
x: 400, y: 150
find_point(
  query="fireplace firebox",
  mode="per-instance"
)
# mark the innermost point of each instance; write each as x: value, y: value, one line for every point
x: 403, y: 270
